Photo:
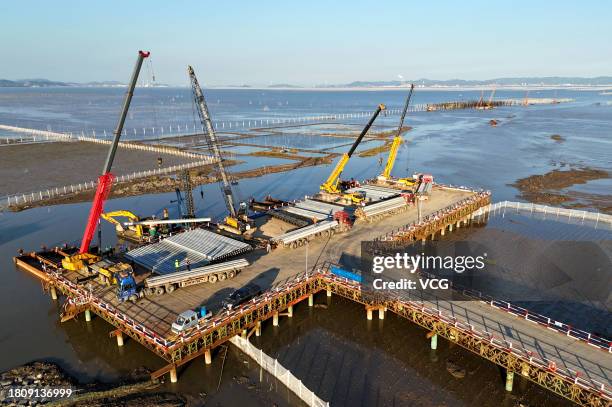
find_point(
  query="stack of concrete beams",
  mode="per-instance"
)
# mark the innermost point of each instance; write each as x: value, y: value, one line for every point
x: 306, y: 213
x: 382, y: 208
x: 318, y: 206
x: 291, y: 218
x: 375, y: 192
x: 180, y: 276
x: 196, y: 247
x: 302, y: 234
x: 424, y: 188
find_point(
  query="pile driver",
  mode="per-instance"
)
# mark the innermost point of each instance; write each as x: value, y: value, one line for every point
x: 237, y: 221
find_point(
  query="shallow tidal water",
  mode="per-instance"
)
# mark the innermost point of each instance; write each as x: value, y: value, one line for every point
x: 341, y: 356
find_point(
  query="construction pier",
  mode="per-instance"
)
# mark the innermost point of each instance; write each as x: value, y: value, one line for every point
x: 556, y: 359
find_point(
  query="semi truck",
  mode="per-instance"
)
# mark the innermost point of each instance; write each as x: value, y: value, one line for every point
x: 339, y: 222
x: 152, y: 285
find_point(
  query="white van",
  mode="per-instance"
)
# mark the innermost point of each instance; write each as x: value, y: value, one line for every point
x: 185, y: 321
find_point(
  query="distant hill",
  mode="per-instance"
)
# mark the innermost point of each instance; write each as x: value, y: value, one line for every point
x: 30, y: 83
x: 103, y: 84
x: 44, y: 83
x: 284, y: 85
x: 519, y: 81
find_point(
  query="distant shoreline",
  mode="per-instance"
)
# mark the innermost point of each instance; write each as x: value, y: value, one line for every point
x: 429, y: 88
x: 349, y: 89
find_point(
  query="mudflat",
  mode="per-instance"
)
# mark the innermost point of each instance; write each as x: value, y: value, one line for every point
x: 34, y: 167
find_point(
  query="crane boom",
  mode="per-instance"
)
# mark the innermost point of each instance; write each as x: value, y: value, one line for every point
x: 397, y: 141
x: 491, y: 98
x: 105, y: 181
x: 211, y: 139
x: 331, y: 184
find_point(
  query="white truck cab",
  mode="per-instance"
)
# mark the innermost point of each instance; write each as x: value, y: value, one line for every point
x: 185, y: 321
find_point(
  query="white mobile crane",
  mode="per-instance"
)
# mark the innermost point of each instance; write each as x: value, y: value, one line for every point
x: 237, y: 221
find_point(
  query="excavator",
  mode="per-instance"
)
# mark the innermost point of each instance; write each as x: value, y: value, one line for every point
x: 148, y: 229
x: 332, y: 187
x: 135, y: 232
x: 237, y: 222
x: 84, y: 258
x: 385, y: 178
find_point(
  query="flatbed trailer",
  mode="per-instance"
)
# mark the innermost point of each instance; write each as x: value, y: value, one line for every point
x: 167, y: 283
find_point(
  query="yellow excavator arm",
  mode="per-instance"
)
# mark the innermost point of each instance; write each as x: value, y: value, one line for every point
x: 110, y: 217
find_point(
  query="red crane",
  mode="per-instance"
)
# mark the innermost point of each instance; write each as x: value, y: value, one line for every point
x: 105, y: 181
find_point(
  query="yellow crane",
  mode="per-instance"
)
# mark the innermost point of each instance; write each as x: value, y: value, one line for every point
x: 395, y: 145
x: 331, y: 185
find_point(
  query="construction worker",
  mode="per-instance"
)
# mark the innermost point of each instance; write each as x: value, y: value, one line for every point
x: 176, y: 264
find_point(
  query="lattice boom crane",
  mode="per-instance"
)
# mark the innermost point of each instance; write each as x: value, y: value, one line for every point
x: 237, y: 221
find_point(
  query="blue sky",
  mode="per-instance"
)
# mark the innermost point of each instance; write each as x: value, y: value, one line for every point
x: 306, y: 43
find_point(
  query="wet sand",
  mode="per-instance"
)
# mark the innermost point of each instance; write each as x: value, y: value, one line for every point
x: 551, y: 189
x: 32, y: 167
x: 350, y: 361
x: 157, y: 184
x: 137, y: 390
